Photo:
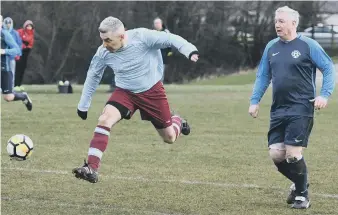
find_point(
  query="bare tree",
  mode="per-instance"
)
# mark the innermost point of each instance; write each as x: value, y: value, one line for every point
x: 229, y: 35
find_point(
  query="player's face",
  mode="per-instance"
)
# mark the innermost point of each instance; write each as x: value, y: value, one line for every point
x: 8, y: 24
x: 112, y: 42
x: 284, y: 25
x: 29, y: 27
x: 158, y: 24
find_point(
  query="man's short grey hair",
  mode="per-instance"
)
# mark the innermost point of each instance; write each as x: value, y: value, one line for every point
x: 110, y: 24
x: 158, y: 18
x: 293, y: 13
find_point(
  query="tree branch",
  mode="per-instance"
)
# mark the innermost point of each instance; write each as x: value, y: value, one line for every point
x: 65, y: 56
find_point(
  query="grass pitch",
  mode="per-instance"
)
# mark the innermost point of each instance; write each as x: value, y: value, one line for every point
x: 221, y: 168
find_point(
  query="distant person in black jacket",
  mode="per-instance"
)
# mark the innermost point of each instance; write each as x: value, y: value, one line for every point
x: 159, y: 26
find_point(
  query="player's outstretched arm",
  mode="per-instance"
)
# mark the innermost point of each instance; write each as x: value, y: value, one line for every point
x: 94, y: 76
x: 159, y: 40
x: 13, y: 49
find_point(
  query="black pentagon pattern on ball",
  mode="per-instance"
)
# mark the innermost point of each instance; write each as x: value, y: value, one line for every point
x: 14, y: 155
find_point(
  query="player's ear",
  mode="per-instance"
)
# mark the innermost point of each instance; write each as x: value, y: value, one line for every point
x: 294, y: 23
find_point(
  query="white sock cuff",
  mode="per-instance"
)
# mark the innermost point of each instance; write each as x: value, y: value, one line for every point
x: 102, y: 131
x: 95, y: 152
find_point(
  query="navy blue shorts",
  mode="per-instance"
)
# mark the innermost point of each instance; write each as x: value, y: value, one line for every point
x: 6, y: 82
x: 290, y: 130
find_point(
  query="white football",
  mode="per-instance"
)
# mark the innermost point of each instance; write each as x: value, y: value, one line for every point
x: 20, y: 147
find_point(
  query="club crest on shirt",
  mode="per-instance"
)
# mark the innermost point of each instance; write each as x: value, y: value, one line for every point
x: 295, y: 54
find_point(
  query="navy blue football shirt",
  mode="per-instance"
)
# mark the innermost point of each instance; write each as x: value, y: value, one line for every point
x: 292, y: 68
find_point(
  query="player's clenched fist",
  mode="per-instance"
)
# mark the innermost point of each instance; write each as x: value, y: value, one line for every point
x: 319, y: 102
x: 253, y: 110
x: 194, y: 56
x: 82, y: 114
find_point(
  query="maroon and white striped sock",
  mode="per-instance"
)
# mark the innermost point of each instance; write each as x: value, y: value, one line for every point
x: 97, y: 146
x: 177, y: 124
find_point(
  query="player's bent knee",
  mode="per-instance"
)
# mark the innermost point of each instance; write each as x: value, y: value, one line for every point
x: 294, y: 152
x: 277, y: 152
x: 110, y: 116
x: 103, y: 120
x: 169, y: 139
x: 8, y: 98
x: 168, y: 135
x: 277, y: 155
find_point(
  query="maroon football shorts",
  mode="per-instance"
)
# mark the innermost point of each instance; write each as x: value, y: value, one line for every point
x: 153, y: 105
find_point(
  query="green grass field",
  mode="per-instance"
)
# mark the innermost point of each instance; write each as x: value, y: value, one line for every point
x: 221, y: 168
x: 234, y: 79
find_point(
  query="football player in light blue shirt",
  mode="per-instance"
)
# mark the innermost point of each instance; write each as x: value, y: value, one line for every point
x: 136, y: 60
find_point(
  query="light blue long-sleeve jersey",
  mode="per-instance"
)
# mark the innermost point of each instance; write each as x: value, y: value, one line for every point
x: 292, y: 68
x: 14, y: 34
x: 11, y: 50
x: 138, y: 65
